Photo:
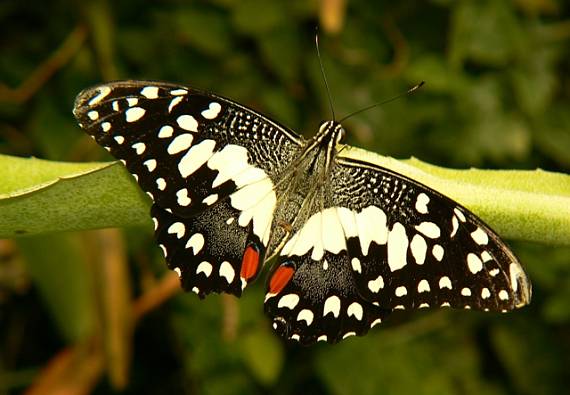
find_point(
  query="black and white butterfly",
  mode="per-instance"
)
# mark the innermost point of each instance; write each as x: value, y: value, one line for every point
x: 353, y: 241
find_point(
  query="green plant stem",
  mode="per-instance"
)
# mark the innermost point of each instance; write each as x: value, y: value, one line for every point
x: 38, y: 196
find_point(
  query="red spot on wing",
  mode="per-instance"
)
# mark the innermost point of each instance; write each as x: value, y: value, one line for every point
x: 280, y: 279
x: 249, y: 263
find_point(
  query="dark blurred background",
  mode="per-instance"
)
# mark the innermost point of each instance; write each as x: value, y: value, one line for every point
x: 96, y: 312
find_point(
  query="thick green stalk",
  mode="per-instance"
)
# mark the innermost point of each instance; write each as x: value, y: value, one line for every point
x: 38, y: 196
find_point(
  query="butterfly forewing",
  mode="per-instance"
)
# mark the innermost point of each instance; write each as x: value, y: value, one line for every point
x: 433, y: 252
x: 191, y: 151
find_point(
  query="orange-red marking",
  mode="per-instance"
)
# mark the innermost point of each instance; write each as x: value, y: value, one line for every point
x: 280, y: 279
x: 249, y: 263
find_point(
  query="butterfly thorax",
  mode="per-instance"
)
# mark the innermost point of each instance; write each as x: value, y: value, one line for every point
x: 301, y: 190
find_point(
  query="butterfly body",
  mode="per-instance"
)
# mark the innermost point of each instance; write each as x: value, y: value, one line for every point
x: 353, y: 241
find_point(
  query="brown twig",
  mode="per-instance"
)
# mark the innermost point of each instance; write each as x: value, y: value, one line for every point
x: 45, y: 70
x: 166, y: 288
x: 75, y: 370
x: 400, y: 46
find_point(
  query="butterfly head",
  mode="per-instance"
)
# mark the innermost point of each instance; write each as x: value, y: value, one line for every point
x: 330, y: 132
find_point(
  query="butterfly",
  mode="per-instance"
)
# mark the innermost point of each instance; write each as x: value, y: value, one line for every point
x: 352, y: 241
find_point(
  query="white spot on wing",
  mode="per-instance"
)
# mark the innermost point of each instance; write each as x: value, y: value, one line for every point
x: 255, y: 196
x: 196, y: 242
x: 150, y: 164
x: 397, y: 247
x: 466, y: 292
x: 474, y: 263
x: 421, y: 203
x: 515, y: 273
x: 196, y: 156
x: 289, y: 301
x: 182, y: 197
x: 455, y: 226
x: 132, y: 101
x: 103, y: 92
x: 306, y: 315
x: 212, y: 111
x: 119, y: 139
x: 105, y: 126
x: 485, y: 293
x: 139, y: 148
x: 260, y: 211
x: 419, y: 248
x: 423, y: 286
x: 150, y: 92
x: 165, y: 132
x: 480, y: 236
x: 177, y: 228
x: 133, y: 114
x: 210, y: 199
x: 204, y: 267
x: 503, y: 295
x: 174, y: 102
x: 93, y: 115
x: 227, y: 271
x: 429, y: 229
x: 178, y: 92
x: 355, y: 263
x: 401, y: 291
x: 445, y: 282
x: 332, y: 234
x: 376, y: 285
x: 437, y: 252
x: 161, y: 183
x: 332, y: 305
x: 348, y: 220
x: 180, y: 143
x: 459, y: 214
x: 355, y: 309
x: 187, y: 122
x: 371, y: 225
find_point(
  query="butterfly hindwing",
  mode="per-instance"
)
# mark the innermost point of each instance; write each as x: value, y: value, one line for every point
x: 320, y: 302
x: 191, y: 151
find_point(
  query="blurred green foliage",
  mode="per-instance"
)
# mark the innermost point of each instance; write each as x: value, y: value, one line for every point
x: 497, y: 96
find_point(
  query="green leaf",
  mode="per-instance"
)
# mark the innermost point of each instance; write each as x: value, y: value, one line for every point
x: 523, y: 205
x: 38, y: 196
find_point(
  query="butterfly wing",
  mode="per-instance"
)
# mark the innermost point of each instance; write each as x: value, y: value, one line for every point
x: 392, y: 243
x: 191, y: 151
x: 426, y: 249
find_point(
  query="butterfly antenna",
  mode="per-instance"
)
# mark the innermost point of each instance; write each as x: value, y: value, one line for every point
x: 323, y: 74
x: 409, y: 91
